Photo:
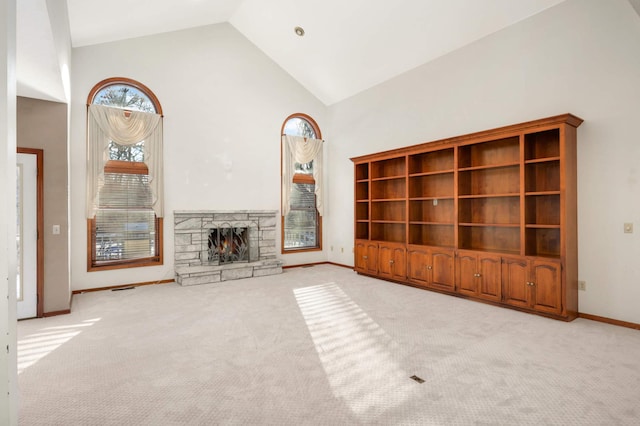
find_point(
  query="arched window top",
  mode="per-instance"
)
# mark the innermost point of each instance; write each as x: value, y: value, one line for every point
x: 125, y: 93
x: 301, y: 125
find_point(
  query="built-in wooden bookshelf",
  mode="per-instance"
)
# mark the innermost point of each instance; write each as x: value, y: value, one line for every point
x: 490, y: 215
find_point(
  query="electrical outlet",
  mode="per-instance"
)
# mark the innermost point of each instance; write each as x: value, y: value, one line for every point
x: 341, y: 249
x: 56, y: 229
x: 582, y: 285
x: 628, y: 228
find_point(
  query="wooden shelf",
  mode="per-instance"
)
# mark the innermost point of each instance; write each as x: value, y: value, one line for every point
x: 542, y: 209
x: 489, y: 238
x: 388, y: 167
x: 430, y: 198
x: 493, y: 225
x: 542, y: 144
x: 542, y: 177
x: 542, y: 160
x: 388, y: 189
x: 533, y: 194
x: 389, y: 211
x: 498, y: 210
x: 437, y: 161
x: 434, y: 234
x: 388, y: 178
x: 542, y: 242
x: 489, y: 181
x: 433, y: 185
x: 430, y: 223
x: 509, y: 194
x: 443, y: 172
x: 479, y: 215
x: 491, y: 166
x: 362, y: 172
x: 393, y: 232
x: 494, y: 153
x: 386, y: 200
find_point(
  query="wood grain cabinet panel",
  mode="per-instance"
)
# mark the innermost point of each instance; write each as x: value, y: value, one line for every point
x: 515, y: 282
x: 366, y: 257
x: 546, y: 285
x: 479, y: 275
x: 490, y: 216
x: 418, y: 259
x: 392, y: 261
x: 533, y: 284
x: 431, y: 267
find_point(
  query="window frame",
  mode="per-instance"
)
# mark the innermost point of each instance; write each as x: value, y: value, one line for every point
x: 125, y: 167
x: 300, y: 178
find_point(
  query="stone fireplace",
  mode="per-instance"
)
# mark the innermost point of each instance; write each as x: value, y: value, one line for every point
x: 213, y: 246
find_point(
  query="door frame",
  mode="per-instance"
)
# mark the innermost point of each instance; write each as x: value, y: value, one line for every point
x: 39, y: 153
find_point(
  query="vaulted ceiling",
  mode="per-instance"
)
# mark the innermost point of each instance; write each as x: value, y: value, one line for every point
x: 348, y: 46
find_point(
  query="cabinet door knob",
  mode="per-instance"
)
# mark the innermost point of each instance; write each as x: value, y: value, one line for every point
x: 529, y: 283
x: 429, y: 267
x: 391, y: 261
x: 365, y: 257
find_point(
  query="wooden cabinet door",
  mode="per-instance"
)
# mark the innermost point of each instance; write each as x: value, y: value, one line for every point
x: 385, y: 261
x: 547, y: 286
x: 418, y: 260
x: 371, y: 258
x: 399, y: 264
x: 442, y: 269
x: 490, y: 277
x: 466, y: 279
x: 516, y: 290
x: 361, y: 257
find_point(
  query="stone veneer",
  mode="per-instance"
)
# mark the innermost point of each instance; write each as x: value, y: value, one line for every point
x: 191, y: 230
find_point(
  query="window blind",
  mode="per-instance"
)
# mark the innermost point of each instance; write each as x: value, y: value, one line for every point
x: 125, y: 221
x: 300, y: 225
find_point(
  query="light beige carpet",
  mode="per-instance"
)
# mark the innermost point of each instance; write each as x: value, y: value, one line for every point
x: 323, y: 346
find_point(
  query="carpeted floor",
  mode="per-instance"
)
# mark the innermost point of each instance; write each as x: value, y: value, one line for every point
x: 323, y: 346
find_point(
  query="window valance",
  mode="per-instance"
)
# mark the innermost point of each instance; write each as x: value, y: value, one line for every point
x: 106, y: 124
x: 297, y: 149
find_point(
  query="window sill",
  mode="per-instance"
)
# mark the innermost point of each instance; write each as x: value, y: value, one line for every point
x: 302, y: 250
x: 125, y: 264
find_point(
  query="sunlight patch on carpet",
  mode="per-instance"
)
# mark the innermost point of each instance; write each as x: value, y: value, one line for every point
x: 356, y: 353
x: 33, y: 347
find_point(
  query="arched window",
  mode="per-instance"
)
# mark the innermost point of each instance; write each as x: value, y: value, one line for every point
x: 302, y: 224
x: 124, y: 176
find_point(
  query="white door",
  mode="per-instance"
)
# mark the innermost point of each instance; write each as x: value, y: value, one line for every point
x: 27, y: 235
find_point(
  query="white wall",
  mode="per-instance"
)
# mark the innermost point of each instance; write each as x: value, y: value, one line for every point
x: 8, y: 255
x: 579, y: 57
x: 224, y: 103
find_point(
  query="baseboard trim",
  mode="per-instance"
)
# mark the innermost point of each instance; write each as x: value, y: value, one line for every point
x: 609, y: 321
x: 340, y: 265
x: 89, y: 290
x: 306, y: 265
x: 56, y: 313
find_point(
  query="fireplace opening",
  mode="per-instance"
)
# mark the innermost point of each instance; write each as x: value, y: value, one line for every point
x: 228, y: 244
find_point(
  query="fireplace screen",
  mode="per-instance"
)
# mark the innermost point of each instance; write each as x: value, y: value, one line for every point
x: 227, y: 244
